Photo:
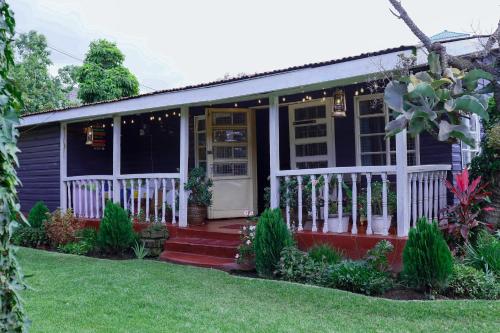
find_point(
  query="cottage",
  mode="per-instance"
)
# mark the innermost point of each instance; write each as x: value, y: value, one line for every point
x: 313, y: 135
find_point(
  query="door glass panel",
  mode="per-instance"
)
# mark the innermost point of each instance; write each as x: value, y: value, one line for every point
x: 309, y: 113
x: 201, y: 124
x: 230, y: 169
x: 239, y: 118
x: 202, y: 154
x: 240, y: 152
x: 230, y: 135
x: 222, y: 118
x: 311, y: 149
x: 373, y: 159
x: 372, y: 125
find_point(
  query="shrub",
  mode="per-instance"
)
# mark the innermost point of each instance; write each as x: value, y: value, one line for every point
x: 200, y: 187
x: 377, y: 256
x: 324, y: 253
x: 357, y: 276
x: 427, y: 260
x: 61, y: 228
x: 87, y: 235
x: 246, y: 251
x: 79, y: 248
x: 486, y: 254
x: 140, y: 250
x: 25, y: 235
x: 115, y: 233
x: 271, y: 236
x: 298, y: 266
x: 38, y: 215
x: 468, y: 282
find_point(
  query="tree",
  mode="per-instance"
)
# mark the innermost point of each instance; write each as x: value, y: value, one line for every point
x: 103, y: 76
x: 40, y: 91
x: 12, y: 314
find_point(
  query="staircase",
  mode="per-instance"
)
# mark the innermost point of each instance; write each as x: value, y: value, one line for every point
x: 203, y: 248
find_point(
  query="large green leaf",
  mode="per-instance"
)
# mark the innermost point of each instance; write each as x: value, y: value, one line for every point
x: 395, y: 126
x: 393, y: 96
x: 460, y: 132
x: 472, y: 77
x: 423, y: 89
x: 471, y: 104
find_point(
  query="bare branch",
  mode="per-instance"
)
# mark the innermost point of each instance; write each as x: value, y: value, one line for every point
x: 394, y: 13
x: 494, y: 37
x: 413, y: 27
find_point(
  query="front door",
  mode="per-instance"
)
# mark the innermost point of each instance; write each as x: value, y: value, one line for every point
x: 231, y: 161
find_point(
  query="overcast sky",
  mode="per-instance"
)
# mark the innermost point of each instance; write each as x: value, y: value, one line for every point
x: 177, y: 42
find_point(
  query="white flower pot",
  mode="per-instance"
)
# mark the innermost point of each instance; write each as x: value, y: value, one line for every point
x: 379, y: 226
x: 334, y: 225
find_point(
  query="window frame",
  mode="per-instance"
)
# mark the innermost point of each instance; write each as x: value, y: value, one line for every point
x: 467, y: 152
x: 196, y: 143
x: 358, y: 135
x: 329, y: 138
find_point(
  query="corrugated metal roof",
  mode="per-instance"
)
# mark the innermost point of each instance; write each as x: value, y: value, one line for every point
x: 447, y: 35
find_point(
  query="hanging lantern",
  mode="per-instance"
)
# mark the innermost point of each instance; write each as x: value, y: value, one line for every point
x: 339, y: 105
x: 89, y: 131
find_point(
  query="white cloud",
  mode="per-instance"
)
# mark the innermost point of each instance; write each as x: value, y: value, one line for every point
x: 172, y: 43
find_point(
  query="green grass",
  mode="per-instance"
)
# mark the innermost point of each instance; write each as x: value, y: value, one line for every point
x: 80, y: 294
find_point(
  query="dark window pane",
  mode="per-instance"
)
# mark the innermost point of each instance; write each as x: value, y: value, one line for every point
x: 371, y: 107
x: 373, y: 159
x: 372, y: 125
x: 312, y: 165
x: 311, y: 131
x: 311, y: 112
x: 373, y: 144
x: 311, y: 149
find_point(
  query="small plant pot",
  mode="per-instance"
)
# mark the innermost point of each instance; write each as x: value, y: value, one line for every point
x: 338, y: 225
x: 196, y: 215
x: 379, y: 226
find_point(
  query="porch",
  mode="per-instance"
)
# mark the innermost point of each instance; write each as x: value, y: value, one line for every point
x: 329, y: 175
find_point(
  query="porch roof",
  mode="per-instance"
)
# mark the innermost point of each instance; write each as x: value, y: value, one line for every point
x: 282, y: 81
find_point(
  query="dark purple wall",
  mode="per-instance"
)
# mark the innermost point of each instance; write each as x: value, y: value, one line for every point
x: 39, y: 166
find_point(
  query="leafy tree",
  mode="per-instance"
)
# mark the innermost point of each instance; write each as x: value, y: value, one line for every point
x: 12, y: 314
x: 40, y: 91
x: 103, y: 76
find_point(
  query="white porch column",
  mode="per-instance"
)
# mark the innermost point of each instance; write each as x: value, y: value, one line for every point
x: 117, y: 134
x: 63, y: 148
x: 183, y: 167
x: 274, y: 150
x: 403, y: 214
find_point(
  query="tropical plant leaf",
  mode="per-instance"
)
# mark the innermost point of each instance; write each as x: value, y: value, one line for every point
x: 472, y: 77
x: 393, y: 96
x: 472, y: 104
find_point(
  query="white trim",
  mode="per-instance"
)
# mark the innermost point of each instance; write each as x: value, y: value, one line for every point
x: 339, y: 170
x: 117, y: 138
x: 274, y: 149
x: 468, y: 153
x: 183, y: 165
x: 388, y: 152
x: 403, y: 198
x: 196, y: 143
x: 330, y: 133
x: 63, y: 164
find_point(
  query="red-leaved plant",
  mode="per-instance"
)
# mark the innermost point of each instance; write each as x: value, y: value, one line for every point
x: 472, y: 198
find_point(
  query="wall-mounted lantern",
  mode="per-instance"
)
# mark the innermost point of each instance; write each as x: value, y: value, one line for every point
x: 339, y: 104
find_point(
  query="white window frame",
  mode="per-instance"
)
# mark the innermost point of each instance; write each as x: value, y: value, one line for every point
x: 196, y: 143
x: 468, y: 152
x: 330, y: 135
x: 358, y: 135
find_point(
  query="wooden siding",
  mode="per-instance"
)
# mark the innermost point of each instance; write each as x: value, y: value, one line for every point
x: 39, y: 166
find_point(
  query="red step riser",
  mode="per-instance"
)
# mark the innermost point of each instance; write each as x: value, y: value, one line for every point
x: 211, y: 250
x: 186, y: 232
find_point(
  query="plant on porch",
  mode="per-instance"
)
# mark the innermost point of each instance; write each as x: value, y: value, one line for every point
x: 379, y: 226
x: 200, y: 195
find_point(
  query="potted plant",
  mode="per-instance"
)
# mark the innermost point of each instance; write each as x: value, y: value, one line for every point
x: 334, y: 223
x: 379, y: 225
x: 200, y: 196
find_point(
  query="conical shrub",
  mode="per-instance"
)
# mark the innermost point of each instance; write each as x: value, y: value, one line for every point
x: 115, y: 231
x: 427, y: 260
x: 271, y: 236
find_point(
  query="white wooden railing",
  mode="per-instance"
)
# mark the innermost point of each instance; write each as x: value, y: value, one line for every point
x: 427, y: 196
x: 152, y: 196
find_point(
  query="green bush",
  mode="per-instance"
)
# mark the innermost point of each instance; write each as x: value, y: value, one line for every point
x: 87, y: 235
x: 79, y: 248
x: 324, y: 253
x: 298, y: 266
x: 357, y: 276
x: 469, y: 282
x: 28, y: 236
x: 271, y: 236
x: 115, y: 233
x: 427, y: 260
x: 38, y: 215
x: 486, y: 254
x: 376, y: 257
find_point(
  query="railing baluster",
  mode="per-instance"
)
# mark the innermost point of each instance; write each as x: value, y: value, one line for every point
x: 139, y: 196
x: 156, y: 200
x: 80, y: 199
x: 85, y: 198
x: 67, y: 188
x: 340, y: 208
x: 431, y: 195
x: 147, y: 200
x: 426, y: 195
x: 299, y: 199
x: 326, y: 202
x: 436, y: 195
x: 287, y: 207
x: 172, y: 182
x: 132, y: 197
x: 74, y: 197
x: 354, y: 229
x: 163, y: 199
x: 91, y: 199
x: 442, y: 187
x: 110, y: 191
x: 124, y: 184
x: 96, y: 186
x: 369, y: 204
x: 420, y: 195
x: 384, y: 204
x: 313, y: 202
x: 414, y: 198
x: 103, y: 203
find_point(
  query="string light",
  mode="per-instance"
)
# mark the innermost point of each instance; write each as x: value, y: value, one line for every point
x: 132, y: 121
x: 362, y: 90
x: 166, y: 115
x: 260, y: 101
x: 356, y: 93
x: 303, y: 99
x: 112, y: 125
x: 124, y: 122
x: 179, y: 114
x: 174, y: 113
x: 103, y: 125
x: 323, y: 99
x: 235, y: 105
x: 283, y: 99
x: 159, y: 118
x: 324, y: 93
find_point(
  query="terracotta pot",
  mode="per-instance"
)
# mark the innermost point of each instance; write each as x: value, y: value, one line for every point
x: 196, y: 214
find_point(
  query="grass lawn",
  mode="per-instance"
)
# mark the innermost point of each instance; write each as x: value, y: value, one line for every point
x: 79, y: 294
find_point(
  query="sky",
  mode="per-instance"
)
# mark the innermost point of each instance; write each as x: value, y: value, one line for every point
x: 173, y: 43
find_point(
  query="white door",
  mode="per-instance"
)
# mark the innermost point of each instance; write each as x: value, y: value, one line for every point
x: 231, y: 161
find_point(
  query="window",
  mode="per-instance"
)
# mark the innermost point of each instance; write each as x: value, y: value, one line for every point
x: 468, y: 152
x: 200, y: 142
x: 311, y: 135
x: 372, y: 147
